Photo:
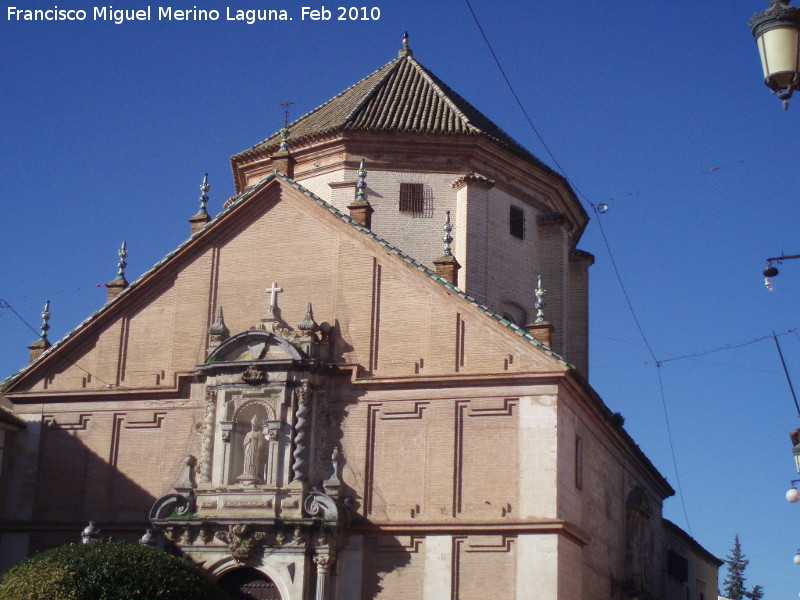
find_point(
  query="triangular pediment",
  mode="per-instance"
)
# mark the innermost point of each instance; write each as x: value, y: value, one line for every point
x: 380, y: 305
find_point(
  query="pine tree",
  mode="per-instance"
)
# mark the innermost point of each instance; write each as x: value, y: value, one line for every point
x: 735, y: 581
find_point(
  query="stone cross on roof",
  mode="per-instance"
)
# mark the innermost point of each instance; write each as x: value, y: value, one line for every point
x: 273, y: 302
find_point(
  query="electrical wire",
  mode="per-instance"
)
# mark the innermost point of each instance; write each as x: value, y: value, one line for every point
x: 605, y: 240
x: 672, y: 448
x: 519, y: 103
x: 729, y: 346
x: 6, y: 304
x: 786, y: 371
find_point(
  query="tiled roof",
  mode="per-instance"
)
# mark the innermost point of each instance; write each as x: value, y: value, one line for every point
x: 402, y: 96
x: 678, y: 532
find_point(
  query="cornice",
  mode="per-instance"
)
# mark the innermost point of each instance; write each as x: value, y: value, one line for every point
x: 179, y: 391
x: 580, y: 389
x: 505, y: 527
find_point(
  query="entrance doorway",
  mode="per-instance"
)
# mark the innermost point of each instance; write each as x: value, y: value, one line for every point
x: 249, y: 584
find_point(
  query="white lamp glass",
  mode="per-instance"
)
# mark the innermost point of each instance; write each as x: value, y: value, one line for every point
x: 778, y: 48
x: 793, y: 495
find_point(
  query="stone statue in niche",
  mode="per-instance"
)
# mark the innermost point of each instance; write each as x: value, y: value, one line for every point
x: 253, y: 442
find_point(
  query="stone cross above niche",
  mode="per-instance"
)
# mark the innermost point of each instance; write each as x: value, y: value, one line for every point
x: 272, y: 313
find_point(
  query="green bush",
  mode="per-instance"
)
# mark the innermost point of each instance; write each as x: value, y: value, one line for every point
x: 107, y: 571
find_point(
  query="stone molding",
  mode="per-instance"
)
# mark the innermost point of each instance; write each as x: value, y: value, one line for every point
x: 475, y: 179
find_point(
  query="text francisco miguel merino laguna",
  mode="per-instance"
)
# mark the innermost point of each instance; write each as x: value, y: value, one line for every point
x: 169, y: 13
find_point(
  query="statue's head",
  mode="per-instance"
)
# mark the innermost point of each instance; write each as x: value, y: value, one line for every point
x: 255, y: 425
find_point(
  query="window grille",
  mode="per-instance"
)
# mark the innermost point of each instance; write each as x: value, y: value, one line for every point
x: 412, y: 198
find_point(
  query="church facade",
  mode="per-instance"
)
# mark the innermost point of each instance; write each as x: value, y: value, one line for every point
x: 351, y: 383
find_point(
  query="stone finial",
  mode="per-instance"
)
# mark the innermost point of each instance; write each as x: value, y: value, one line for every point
x: 45, y: 318
x: 446, y: 265
x: 202, y: 217
x: 333, y: 484
x: 284, y: 133
x: 405, y: 50
x: 149, y: 539
x: 38, y: 347
x: 360, y: 209
x: 123, y: 254
x: 115, y: 286
x: 90, y: 534
x: 308, y: 325
x: 447, y: 238
x: 541, y: 329
x: 282, y: 160
x: 361, y: 184
x: 204, y: 187
x: 540, y: 304
x: 218, y: 331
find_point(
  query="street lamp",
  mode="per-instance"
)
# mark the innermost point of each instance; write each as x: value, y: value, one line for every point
x: 777, y: 34
x: 771, y: 271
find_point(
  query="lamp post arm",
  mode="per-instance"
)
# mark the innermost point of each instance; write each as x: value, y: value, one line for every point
x: 782, y: 257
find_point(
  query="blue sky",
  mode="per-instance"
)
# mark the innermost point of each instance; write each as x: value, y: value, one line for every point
x: 656, y: 109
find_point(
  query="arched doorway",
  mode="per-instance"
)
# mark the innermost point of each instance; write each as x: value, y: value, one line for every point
x: 249, y: 584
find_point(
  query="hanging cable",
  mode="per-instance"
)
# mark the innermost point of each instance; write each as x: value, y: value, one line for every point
x: 672, y: 448
x: 602, y: 232
x: 786, y: 371
x: 6, y: 304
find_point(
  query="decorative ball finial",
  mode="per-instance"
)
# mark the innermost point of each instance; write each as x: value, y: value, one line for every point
x: 284, y: 133
x: 540, y: 305
x: 308, y: 325
x: 90, y: 534
x: 204, y: 187
x: 218, y: 327
x: 361, y: 184
x: 447, y: 238
x: 45, y: 318
x: 123, y: 254
x: 405, y: 50
x: 149, y: 539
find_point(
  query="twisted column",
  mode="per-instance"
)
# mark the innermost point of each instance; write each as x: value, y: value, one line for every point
x: 300, y: 435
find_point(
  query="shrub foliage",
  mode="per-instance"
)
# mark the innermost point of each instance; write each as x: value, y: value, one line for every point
x: 107, y: 571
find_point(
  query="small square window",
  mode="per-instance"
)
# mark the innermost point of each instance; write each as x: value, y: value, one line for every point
x: 412, y: 198
x: 516, y: 222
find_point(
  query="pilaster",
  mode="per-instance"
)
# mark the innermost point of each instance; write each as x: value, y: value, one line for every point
x: 472, y: 233
x: 553, y: 255
x: 577, y: 347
